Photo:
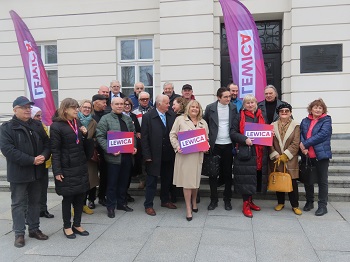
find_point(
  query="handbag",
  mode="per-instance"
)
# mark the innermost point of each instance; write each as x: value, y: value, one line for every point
x: 211, y: 165
x: 307, y: 171
x: 95, y: 156
x: 280, y: 181
x: 244, y: 153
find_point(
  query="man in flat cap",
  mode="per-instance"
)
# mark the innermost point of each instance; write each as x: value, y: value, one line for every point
x: 26, y: 146
x: 187, y: 92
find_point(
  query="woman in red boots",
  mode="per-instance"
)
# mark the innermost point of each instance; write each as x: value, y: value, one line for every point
x: 250, y: 161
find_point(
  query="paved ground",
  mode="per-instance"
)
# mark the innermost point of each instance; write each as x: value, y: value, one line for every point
x: 217, y: 235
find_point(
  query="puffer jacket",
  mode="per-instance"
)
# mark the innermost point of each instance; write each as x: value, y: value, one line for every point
x: 320, y: 138
x: 68, y: 159
x: 111, y: 122
x: 245, y: 172
x: 17, y: 145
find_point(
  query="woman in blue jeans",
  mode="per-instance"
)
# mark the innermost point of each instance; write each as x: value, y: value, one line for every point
x: 315, y: 142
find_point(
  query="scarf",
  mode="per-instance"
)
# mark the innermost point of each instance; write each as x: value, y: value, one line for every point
x: 258, y: 118
x: 312, y: 153
x: 85, y: 120
x: 283, y: 127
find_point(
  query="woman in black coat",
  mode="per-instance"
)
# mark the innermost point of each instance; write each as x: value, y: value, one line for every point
x: 250, y: 162
x: 69, y: 164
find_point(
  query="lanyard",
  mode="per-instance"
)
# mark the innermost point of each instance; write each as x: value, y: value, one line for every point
x: 75, y: 129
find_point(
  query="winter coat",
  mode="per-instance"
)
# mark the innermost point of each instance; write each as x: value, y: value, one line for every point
x: 92, y: 165
x: 212, y: 119
x: 155, y: 140
x: 289, y: 146
x: 188, y: 168
x: 320, y: 138
x: 245, y: 171
x: 18, y: 141
x: 262, y: 106
x: 110, y: 122
x: 68, y: 159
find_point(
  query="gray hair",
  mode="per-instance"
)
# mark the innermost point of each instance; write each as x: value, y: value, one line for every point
x: 114, y: 81
x: 144, y: 93
x: 168, y: 83
x: 273, y: 87
x: 159, y: 98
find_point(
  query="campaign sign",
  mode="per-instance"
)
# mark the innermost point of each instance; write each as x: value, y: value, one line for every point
x: 193, y: 141
x: 261, y: 133
x: 122, y: 142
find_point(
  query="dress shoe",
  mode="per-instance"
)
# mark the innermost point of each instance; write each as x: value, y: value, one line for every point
x: 125, y: 208
x: 195, y: 210
x: 19, y: 241
x: 169, y: 205
x: 82, y: 233
x: 279, y: 207
x: 228, y: 205
x: 129, y: 198
x: 321, y: 211
x: 188, y: 218
x: 110, y: 213
x: 102, y: 201
x: 46, y: 214
x: 212, y: 205
x: 87, y: 210
x: 150, y: 211
x: 71, y: 236
x: 297, y: 211
x: 308, y: 206
x: 91, y: 205
x: 38, y: 235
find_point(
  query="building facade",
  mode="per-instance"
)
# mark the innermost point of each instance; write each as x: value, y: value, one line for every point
x: 86, y: 44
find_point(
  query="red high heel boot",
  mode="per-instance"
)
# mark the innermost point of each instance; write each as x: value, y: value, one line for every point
x: 252, y: 205
x: 246, y: 209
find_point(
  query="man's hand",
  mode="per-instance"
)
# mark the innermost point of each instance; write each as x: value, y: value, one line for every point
x: 116, y: 154
x: 59, y: 177
x: 38, y: 160
x: 135, y: 151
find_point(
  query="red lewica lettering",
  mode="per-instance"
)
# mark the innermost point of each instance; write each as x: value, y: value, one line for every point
x: 245, y: 39
x: 29, y: 47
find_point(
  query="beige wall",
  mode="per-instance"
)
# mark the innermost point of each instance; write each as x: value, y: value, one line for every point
x: 186, y: 37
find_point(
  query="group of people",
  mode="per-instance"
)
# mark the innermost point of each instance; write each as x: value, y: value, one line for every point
x: 77, y: 144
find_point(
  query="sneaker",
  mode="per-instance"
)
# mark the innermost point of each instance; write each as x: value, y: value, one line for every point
x: 279, y: 207
x: 87, y: 210
x: 297, y: 211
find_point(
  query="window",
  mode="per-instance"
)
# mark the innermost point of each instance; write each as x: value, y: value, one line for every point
x: 48, y: 54
x: 136, y: 64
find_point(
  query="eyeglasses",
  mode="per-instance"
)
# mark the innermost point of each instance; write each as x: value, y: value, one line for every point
x: 115, y: 86
x: 26, y: 107
x: 284, y: 110
x: 127, y: 104
x: 87, y: 107
x: 144, y: 99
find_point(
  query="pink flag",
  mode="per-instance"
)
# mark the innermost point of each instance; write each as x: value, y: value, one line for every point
x: 247, y: 62
x: 39, y: 85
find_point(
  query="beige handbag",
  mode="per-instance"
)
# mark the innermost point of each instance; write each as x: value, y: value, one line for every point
x: 280, y: 182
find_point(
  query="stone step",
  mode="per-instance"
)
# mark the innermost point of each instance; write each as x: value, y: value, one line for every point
x: 340, y: 161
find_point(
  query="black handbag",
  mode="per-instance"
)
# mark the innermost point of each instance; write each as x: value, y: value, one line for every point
x: 244, y: 152
x: 211, y: 165
x: 307, y: 171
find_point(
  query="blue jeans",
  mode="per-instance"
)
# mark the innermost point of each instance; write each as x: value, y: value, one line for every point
x: 322, y: 179
x: 19, y: 200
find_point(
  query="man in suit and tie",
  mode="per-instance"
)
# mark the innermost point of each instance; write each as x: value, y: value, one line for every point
x: 158, y: 153
x: 114, y: 92
x: 220, y: 116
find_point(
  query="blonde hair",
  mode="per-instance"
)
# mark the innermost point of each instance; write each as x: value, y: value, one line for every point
x: 200, y: 114
x: 87, y: 101
x: 249, y: 98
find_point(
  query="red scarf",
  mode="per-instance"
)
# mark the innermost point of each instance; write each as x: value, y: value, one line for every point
x: 259, y: 149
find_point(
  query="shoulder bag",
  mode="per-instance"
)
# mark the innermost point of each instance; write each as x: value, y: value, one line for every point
x: 307, y: 171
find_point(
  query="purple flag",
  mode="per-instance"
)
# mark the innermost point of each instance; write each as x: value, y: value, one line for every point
x: 247, y: 62
x: 39, y: 85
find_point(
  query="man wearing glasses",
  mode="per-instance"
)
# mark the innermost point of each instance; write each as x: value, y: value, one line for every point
x: 143, y: 108
x: 26, y: 146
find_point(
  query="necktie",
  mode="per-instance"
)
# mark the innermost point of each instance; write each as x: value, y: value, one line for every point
x: 163, y: 119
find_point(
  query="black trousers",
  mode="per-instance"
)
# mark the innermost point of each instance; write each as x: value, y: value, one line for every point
x: 322, y: 179
x: 103, y: 178
x: 166, y: 182
x: 225, y: 152
x: 293, y: 196
x: 77, y: 201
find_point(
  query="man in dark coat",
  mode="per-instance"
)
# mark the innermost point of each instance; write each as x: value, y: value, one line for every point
x: 158, y: 153
x: 219, y: 117
x: 269, y: 105
x: 115, y: 92
x: 168, y: 89
x: 26, y: 147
